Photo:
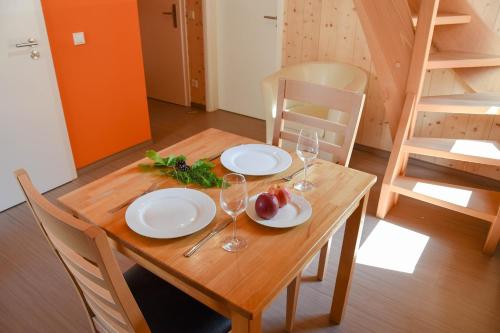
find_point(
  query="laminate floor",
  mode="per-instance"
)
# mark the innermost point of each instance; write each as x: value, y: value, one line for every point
x: 452, y: 288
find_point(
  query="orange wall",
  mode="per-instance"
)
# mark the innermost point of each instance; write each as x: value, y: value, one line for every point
x: 101, y: 83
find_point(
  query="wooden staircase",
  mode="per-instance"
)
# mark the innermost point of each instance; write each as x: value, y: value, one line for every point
x: 475, y: 202
x: 446, y: 18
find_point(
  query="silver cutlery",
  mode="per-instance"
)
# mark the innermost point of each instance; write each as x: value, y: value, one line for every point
x: 202, y: 241
x: 151, y: 188
x: 216, y: 156
x: 290, y: 177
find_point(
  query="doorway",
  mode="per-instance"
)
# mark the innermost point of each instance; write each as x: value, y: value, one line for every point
x: 243, y: 45
x: 172, y: 47
x: 211, y: 53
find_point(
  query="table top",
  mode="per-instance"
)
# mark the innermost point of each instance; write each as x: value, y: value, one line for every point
x: 247, y: 280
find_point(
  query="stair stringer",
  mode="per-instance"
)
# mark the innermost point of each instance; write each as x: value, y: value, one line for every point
x: 390, y: 36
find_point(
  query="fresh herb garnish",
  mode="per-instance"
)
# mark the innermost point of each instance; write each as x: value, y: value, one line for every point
x: 175, y: 166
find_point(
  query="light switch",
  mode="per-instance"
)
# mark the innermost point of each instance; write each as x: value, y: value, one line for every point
x: 78, y: 38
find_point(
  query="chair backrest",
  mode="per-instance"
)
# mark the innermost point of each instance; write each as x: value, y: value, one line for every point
x: 345, y: 101
x: 85, y: 253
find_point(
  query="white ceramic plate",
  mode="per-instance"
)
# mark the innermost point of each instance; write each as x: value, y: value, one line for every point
x: 170, y: 213
x: 296, y: 212
x: 256, y: 159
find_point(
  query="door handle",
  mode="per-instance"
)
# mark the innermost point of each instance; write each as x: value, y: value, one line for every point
x: 30, y: 43
x: 271, y: 17
x: 173, y: 13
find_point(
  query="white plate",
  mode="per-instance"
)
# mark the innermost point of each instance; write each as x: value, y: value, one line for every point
x: 170, y: 213
x: 256, y: 159
x: 296, y: 212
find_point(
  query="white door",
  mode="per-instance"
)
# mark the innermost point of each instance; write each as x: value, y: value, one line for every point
x: 32, y: 128
x: 164, y: 48
x: 247, y: 44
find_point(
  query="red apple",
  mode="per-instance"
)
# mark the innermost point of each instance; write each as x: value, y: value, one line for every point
x: 266, y: 206
x: 281, y: 193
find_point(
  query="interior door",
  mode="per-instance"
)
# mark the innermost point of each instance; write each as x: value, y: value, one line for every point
x: 247, y: 47
x: 163, y: 34
x: 33, y: 132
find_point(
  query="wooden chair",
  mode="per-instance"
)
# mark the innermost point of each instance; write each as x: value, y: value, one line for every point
x: 136, y: 302
x: 348, y: 102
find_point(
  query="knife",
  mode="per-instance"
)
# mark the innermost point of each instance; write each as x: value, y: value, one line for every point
x: 202, y: 241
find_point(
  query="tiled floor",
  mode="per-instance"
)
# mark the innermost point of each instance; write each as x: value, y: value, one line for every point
x: 453, y: 287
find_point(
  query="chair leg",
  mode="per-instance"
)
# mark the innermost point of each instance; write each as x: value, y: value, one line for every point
x: 292, y: 296
x: 323, y: 260
x: 493, y: 237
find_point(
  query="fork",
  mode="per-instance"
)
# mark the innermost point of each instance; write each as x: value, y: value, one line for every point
x: 151, y: 188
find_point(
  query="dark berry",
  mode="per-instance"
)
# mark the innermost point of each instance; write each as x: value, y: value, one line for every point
x: 182, y: 166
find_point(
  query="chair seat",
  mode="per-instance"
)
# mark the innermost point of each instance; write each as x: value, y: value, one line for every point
x: 167, y: 309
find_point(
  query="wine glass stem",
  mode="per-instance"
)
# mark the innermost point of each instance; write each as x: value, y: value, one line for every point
x: 305, y: 172
x: 234, y: 227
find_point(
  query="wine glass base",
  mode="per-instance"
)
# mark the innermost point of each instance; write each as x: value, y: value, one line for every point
x: 235, y: 244
x: 303, y: 186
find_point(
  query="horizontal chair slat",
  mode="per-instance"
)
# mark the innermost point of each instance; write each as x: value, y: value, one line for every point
x: 111, y: 310
x: 325, y: 96
x: 327, y: 125
x: 323, y: 145
x: 77, y: 261
x: 98, y: 287
x: 111, y: 323
x: 103, y: 297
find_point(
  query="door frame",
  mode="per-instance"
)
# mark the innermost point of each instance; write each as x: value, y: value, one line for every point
x: 185, y: 51
x: 209, y: 8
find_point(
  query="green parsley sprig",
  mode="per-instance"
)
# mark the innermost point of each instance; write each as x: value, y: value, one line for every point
x: 175, y: 166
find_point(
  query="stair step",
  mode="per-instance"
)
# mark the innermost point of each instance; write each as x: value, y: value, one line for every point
x: 475, y: 151
x: 453, y: 59
x: 447, y: 18
x: 475, y: 202
x: 480, y: 103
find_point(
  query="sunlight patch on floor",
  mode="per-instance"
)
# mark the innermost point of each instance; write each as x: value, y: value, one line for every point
x: 392, y: 247
x: 449, y: 194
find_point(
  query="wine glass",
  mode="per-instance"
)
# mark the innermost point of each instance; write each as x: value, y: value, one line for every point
x: 307, y: 150
x: 234, y: 201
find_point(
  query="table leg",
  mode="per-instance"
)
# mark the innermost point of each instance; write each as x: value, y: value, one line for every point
x: 350, y: 244
x: 324, y: 254
x: 242, y: 324
x: 292, y: 295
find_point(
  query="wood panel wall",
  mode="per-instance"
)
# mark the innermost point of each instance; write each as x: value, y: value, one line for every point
x: 195, y: 50
x: 329, y: 30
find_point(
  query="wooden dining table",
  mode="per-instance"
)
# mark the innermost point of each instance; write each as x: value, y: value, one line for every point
x: 238, y: 285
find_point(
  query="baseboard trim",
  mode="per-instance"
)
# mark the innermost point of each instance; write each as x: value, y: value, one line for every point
x: 375, y: 151
x: 198, y: 106
x: 113, y: 157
